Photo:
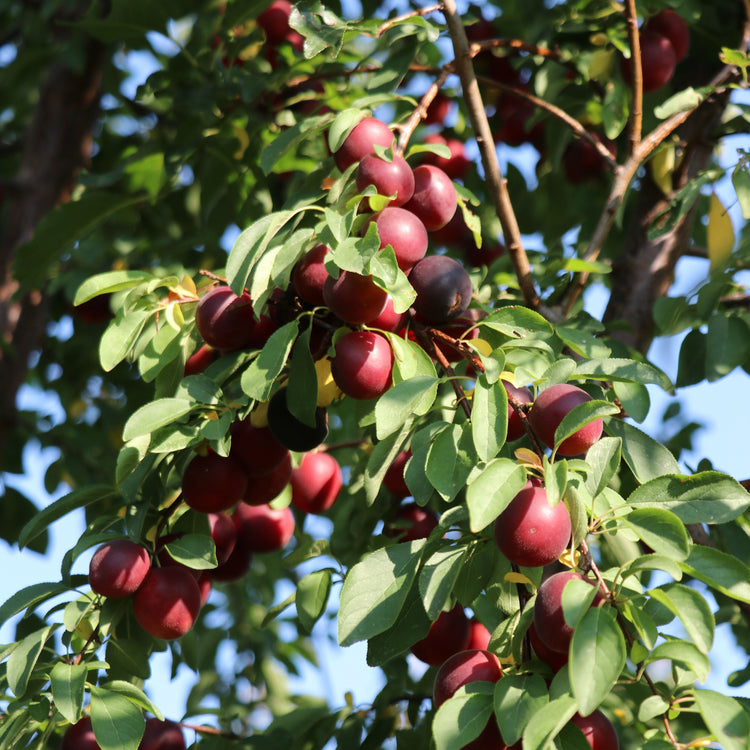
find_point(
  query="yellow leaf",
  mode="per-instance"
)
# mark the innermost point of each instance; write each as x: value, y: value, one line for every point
x: 518, y: 578
x: 244, y: 140
x: 328, y: 391
x: 662, y: 166
x: 482, y: 346
x: 259, y: 415
x: 602, y: 63
x: 720, y: 233
x: 570, y: 559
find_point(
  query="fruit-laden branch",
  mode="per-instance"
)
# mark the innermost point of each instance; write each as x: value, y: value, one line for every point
x: 56, y: 146
x: 496, y: 184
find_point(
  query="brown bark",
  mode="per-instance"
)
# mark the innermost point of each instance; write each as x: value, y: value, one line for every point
x: 56, y: 146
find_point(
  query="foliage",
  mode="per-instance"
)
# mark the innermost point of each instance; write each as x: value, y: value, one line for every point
x: 218, y: 169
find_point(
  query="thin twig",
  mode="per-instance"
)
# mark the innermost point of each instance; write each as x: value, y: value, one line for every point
x: 405, y: 17
x: 420, y: 112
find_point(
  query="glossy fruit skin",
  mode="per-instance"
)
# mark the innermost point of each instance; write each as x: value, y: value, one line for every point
x: 292, y: 433
x: 118, y: 568
x: 671, y: 25
x: 461, y: 669
x: 531, y: 532
x: 448, y: 635
x: 549, y: 409
x: 316, y: 483
x: 261, y: 528
x: 224, y: 320
x: 388, y: 177
x: 583, y: 163
x: 234, y: 567
x: 213, y: 483
x: 411, y: 522
x: 224, y: 535
x: 434, y: 200
x: 394, y: 480
x: 362, y: 364
x: 354, y: 298
x: 516, y: 428
x: 255, y: 448
x: 479, y: 636
x: 80, y: 736
x: 598, y: 730
x: 200, y: 359
x: 261, y: 490
x: 162, y: 735
x: 361, y: 141
x: 389, y: 319
x: 310, y: 274
x: 549, y: 621
x: 658, y: 61
x: 555, y: 660
x: 274, y: 21
x: 404, y: 232
x: 443, y: 288
x: 167, y: 604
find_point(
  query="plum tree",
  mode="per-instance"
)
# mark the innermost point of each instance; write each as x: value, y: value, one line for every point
x: 198, y: 179
x: 443, y: 288
x: 117, y: 568
x: 168, y: 602
x: 548, y: 410
x: 531, y: 531
x: 316, y: 482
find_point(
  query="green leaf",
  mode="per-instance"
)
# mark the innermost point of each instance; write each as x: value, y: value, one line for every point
x: 375, y: 590
x: 692, y: 609
x: 727, y: 345
x: 725, y: 717
x: 685, y: 653
x: 489, y: 417
x: 646, y: 457
x: 691, y: 362
x: 741, y: 182
x: 252, y: 244
x: 290, y: 138
x: 59, y: 229
x: 111, y: 281
x: 547, y: 722
x: 517, y: 698
x: 450, y: 460
x: 59, y: 508
x: 597, y: 656
x: 490, y: 492
x: 720, y: 571
x: 581, y: 415
x: 626, y: 370
x: 604, y: 459
x: 68, y: 682
x: 661, y: 530
x: 463, y: 716
x: 258, y: 379
x: 652, y: 707
x: 382, y: 456
x: 682, y: 101
x: 23, y: 659
x: 410, y: 359
x: 120, y: 335
x: 302, y: 387
x: 156, y: 414
x: 29, y: 597
x: 517, y: 322
x: 135, y: 694
x: 386, y: 273
x: 413, y: 397
x: 117, y: 721
x: 438, y: 577
x: 195, y: 551
x: 312, y: 597
x: 342, y: 125
x: 706, y: 497
x: 651, y: 562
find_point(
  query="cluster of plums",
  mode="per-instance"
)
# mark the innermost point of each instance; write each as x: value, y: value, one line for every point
x: 166, y: 595
x: 157, y: 735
